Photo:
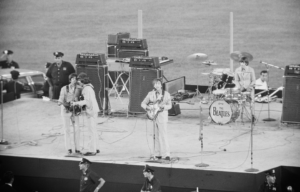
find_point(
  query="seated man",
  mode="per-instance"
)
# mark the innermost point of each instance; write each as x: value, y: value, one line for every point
x: 14, y: 86
x: 261, y: 83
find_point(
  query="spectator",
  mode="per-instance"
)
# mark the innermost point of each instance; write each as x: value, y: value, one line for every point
x: 8, y: 63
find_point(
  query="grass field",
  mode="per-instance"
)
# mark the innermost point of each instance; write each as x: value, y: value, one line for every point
x: 268, y: 29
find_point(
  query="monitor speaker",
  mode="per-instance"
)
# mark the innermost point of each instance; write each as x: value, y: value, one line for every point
x: 99, y: 80
x: 140, y: 85
x: 291, y: 101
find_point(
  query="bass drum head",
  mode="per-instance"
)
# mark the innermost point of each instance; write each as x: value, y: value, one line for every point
x: 220, y: 112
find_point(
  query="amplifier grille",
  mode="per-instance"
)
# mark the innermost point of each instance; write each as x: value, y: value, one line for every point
x: 140, y: 85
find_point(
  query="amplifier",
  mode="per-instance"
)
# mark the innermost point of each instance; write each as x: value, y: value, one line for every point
x: 132, y: 43
x: 140, y: 85
x: 112, y: 51
x: 144, y: 62
x: 292, y: 70
x: 126, y: 53
x: 291, y: 101
x: 113, y: 39
x: 91, y: 59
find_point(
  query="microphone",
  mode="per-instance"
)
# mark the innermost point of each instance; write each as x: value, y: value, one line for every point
x: 263, y: 63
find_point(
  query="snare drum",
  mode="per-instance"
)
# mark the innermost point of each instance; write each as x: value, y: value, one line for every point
x: 223, y: 112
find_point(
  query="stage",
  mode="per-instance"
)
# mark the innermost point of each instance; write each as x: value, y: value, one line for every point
x: 33, y: 127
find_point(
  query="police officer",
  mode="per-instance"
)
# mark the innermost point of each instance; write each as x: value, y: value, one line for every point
x: 58, y: 74
x: 151, y: 183
x: 89, y: 180
x: 14, y: 86
x: 270, y: 182
x: 8, y: 63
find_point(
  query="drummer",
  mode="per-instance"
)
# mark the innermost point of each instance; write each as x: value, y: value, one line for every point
x: 245, y: 78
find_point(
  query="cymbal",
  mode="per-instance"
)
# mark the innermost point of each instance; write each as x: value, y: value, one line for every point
x: 197, y: 57
x: 205, y: 73
x: 221, y: 71
x: 209, y: 62
x: 237, y: 55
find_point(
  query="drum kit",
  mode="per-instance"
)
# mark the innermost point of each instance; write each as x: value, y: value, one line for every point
x: 227, y: 99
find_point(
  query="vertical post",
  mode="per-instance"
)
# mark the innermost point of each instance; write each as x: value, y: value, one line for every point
x: 231, y: 40
x: 1, y: 82
x: 140, y: 24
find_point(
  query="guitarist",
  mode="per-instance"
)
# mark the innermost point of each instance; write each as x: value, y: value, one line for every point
x: 68, y: 94
x: 261, y: 82
x: 164, y: 103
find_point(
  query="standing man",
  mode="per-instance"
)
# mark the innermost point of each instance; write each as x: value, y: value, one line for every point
x: 151, y: 183
x: 162, y: 97
x: 8, y: 63
x: 270, y: 182
x: 92, y: 110
x: 245, y: 80
x: 68, y: 94
x: 89, y: 180
x: 261, y: 83
x: 58, y: 74
x: 14, y: 86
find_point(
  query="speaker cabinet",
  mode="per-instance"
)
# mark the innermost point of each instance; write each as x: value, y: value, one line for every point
x: 99, y: 79
x: 175, y: 110
x: 140, y: 85
x: 113, y: 39
x: 291, y: 100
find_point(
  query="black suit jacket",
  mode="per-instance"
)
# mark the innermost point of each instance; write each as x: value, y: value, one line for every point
x: 7, y: 188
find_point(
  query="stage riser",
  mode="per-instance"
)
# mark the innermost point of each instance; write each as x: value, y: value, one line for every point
x: 57, y: 171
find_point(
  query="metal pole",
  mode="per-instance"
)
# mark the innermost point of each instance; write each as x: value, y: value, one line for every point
x: 1, y: 81
x: 140, y: 24
x: 231, y: 40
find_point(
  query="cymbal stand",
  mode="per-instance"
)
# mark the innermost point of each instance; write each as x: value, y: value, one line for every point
x: 198, y: 93
x: 268, y: 119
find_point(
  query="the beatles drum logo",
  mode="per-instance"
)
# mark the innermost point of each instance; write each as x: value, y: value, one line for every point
x: 220, y: 112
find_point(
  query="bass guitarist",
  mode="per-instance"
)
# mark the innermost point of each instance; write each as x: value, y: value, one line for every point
x: 68, y: 94
x: 162, y: 100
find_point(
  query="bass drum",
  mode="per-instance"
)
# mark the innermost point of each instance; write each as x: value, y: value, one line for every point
x: 223, y: 112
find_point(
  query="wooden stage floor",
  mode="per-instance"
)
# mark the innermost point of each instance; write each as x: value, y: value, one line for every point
x: 33, y: 128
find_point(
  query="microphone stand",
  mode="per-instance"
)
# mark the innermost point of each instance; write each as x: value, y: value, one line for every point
x: 201, y: 138
x: 268, y: 119
x: 252, y: 127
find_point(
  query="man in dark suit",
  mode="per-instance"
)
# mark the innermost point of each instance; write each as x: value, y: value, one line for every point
x: 14, y: 86
x: 8, y: 63
x: 7, y: 179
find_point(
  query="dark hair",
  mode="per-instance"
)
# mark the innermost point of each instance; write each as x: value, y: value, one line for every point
x: 7, y: 177
x: 72, y: 75
x: 244, y: 59
x: 84, y: 78
x: 263, y: 71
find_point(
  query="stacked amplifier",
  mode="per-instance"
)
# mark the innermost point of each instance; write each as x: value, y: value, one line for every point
x: 122, y: 46
x: 291, y: 95
x: 94, y: 65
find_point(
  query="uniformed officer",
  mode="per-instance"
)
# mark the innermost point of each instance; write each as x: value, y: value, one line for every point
x: 151, y: 183
x: 270, y: 183
x: 8, y: 63
x: 89, y: 180
x: 58, y: 74
x: 14, y: 86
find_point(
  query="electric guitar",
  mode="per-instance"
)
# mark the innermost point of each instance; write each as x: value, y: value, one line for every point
x: 153, y: 110
x: 267, y: 98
